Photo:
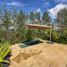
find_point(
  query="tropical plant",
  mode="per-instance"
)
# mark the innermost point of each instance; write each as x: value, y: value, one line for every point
x: 4, y: 51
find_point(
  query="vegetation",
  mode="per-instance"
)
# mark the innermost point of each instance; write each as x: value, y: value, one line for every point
x: 13, y: 26
x: 4, y: 51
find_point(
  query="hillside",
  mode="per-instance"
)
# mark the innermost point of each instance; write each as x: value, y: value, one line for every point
x: 41, y: 55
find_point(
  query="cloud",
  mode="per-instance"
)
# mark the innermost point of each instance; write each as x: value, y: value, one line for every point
x: 56, y: 9
x: 16, y: 4
x: 38, y: 10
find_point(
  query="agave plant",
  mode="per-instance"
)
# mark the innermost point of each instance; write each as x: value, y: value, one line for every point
x: 4, y: 51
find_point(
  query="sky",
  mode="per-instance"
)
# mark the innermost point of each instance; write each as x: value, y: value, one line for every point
x: 33, y: 5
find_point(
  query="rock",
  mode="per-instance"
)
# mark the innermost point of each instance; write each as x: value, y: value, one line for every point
x: 41, y: 55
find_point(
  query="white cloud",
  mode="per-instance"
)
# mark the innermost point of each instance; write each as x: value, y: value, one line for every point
x: 56, y: 9
x: 16, y: 4
x: 38, y: 10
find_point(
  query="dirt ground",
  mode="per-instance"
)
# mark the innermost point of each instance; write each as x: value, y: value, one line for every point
x: 41, y: 55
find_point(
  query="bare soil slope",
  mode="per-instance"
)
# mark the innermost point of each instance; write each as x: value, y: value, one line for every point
x: 41, y: 55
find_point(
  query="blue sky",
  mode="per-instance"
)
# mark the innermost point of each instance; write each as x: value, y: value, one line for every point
x: 33, y: 5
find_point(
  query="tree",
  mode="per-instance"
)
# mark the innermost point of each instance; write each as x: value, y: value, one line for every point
x: 46, y: 18
x: 7, y: 25
x: 62, y: 20
x: 38, y: 17
x: 6, y: 19
x: 20, y: 20
x: 32, y: 17
x: 21, y: 26
x: 14, y: 19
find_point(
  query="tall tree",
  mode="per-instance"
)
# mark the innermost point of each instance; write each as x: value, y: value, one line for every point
x: 21, y: 26
x: 20, y: 20
x: 32, y: 17
x: 46, y: 18
x: 6, y: 19
x: 14, y: 18
x: 62, y: 19
x: 6, y: 25
x: 38, y: 17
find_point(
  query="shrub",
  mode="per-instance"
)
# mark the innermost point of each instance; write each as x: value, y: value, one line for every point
x: 55, y: 36
x: 62, y: 40
x: 29, y: 34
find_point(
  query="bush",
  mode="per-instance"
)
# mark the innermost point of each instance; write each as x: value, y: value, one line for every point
x: 62, y: 40
x: 55, y: 36
x: 29, y: 34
